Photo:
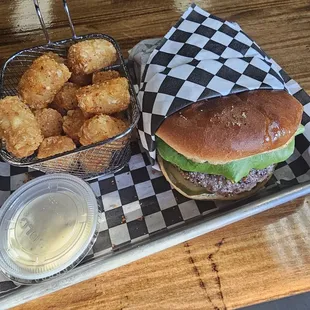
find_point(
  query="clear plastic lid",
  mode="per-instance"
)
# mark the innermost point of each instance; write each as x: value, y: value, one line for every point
x: 47, y: 227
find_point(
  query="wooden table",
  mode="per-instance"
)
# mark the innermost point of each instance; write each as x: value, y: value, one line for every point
x: 261, y: 258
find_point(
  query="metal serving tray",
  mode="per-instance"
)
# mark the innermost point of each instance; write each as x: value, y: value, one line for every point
x: 141, y: 214
x: 151, y: 223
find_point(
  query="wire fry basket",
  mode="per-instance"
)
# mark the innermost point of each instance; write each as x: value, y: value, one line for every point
x: 85, y: 162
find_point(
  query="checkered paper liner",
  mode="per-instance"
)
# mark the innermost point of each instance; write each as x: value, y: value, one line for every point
x: 135, y: 203
x: 138, y: 203
x: 201, y: 57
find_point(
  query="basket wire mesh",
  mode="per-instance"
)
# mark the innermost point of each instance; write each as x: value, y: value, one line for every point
x: 87, y: 161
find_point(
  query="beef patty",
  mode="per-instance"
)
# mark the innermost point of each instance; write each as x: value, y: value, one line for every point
x: 221, y: 185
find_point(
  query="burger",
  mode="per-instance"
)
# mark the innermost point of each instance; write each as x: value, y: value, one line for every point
x: 227, y: 148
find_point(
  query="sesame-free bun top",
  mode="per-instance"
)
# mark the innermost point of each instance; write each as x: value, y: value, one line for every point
x: 229, y: 128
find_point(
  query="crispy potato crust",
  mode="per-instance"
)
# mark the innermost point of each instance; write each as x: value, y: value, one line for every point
x: 55, y: 145
x: 42, y: 81
x: 66, y: 97
x: 19, y: 127
x: 81, y: 79
x: 91, y: 55
x: 100, y: 128
x: 50, y: 122
x: 102, y: 76
x: 73, y: 122
x: 108, y: 97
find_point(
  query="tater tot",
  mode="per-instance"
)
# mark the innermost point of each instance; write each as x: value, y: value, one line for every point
x: 59, y: 109
x: 96, y: 160
x: 56, y: 57
x: 88, y: 115
x: 121, y: 115
x: 81, y: 79
x: 19, y: 128
x: 100, y: 128
x: 73, y: 122
x: 102, y: 76
x: 42, y: 81
x: 108, y: 97
x: 50, y: 122
x: 66, y: 97
x: 91, y: 55
x: 55, y: 145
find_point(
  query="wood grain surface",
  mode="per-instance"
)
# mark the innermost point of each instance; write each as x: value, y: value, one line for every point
x: 261, y: 258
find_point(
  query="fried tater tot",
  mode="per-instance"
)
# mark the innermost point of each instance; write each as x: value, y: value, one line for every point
x: 88, y: 115
x: 121, y: 115
x: 102, y: 76
x: 100, y: 128
x: 108, y: 97
x: 50, y: 122
x: 56, y: 57
x: 91, y: 55
x: 73, y: 122
x: 66, y: 97
x: 19, y: 128
x: 59, y: 109
x: 42, y: 81
x: 96, y: 160
x: 55, y: 145
x: 81, y: 79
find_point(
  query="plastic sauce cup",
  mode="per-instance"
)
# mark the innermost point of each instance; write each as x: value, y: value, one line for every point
x: 47, y: 227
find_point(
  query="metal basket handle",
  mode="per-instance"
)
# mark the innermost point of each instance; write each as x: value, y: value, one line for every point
x: 66, y: 9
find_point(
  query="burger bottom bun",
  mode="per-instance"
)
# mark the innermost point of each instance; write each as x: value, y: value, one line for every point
x: 192, y: 191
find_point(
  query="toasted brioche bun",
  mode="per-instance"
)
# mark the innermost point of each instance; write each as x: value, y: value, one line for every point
x: 192, y: 191
x: 225, y: 129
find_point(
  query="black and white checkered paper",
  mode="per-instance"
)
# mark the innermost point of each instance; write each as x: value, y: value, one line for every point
x: 137, y: 202
x: 201, y: 57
